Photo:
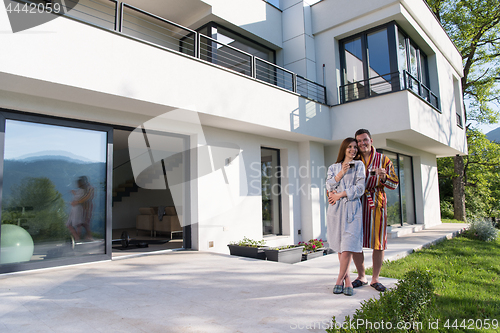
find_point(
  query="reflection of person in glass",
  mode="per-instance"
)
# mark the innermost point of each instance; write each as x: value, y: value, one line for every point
x: 81, y: 209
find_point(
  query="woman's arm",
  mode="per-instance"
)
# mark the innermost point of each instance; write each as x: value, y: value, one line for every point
x: 356, y: 190
x: 331, y: 180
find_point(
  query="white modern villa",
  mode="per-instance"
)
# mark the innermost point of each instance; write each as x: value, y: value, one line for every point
x: 196, y: 123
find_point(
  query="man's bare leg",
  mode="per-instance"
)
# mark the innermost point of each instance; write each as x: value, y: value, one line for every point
x: 378, y: 259
x: 359, y: 262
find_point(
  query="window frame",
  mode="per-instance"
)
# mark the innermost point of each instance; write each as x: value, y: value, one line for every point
x: 213, y: 25
x: 280, y: 198
x: 393, y: 39
x: 6, y: 114
x: 398, y: 166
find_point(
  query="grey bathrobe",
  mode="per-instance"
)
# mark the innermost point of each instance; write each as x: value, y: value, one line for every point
x: 344, y: 221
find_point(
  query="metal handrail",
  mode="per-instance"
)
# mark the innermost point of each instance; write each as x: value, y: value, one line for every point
x: 118, y: 26
x: 276, y: 66
x: 252, y: 58
x: 156, y: 17
x: 231, y: 47
x: 420, y: 87
x: 366, y: 84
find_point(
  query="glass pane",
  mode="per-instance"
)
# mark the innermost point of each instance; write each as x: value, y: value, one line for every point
x: 413, y: 69
x: 271, y: 191
x: 379, y: 62
x: 402, y: 60
x: 406, y: 184
x: 353, y: 75
x: 54, y: 192
x: 423, y: 68
x: 221, y: 54
x: 413, y: 62
x: 393, y: 205
x: 227, y: 37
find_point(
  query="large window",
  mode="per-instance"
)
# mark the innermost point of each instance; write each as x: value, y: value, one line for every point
x: 230, y: 49
x: 53, y: 203
x: 271, y: 191
x: 383, y: 60
x: 401, y: 202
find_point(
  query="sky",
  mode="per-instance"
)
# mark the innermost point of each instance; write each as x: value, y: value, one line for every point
x: 488, y: 128
x: 22, y: 138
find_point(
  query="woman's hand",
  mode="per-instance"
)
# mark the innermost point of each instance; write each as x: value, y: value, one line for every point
x: 343, y: 171
x: 331, y: 200
x: 336, y: 196
x: 345, y: 167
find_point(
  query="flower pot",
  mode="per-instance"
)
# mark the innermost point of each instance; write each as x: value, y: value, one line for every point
x: 247, y: 251
x: 289, y: 256
x: 312, y: 255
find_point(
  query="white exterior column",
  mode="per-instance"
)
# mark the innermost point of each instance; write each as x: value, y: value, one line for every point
x: 298, y: 42
x: 312, y: 175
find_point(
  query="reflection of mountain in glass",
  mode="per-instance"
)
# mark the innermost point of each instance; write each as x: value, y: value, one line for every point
x: 53, y: 155
x: 62, y: 172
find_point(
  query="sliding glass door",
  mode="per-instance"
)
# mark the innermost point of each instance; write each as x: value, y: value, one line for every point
x: 53, y: 202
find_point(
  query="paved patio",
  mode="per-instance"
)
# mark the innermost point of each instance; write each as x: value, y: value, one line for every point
x: 190, y: 291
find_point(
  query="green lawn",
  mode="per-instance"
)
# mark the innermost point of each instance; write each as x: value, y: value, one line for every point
x: 466, y: 277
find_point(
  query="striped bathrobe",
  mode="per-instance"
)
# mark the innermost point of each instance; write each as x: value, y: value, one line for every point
x: 374, y: 201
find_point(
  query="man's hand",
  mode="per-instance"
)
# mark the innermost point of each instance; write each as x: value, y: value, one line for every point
x: 382, y: 174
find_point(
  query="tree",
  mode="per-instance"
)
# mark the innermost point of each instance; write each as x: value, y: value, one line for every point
x: 37, y: 206
x: 481, y: 177
x: 474, y: 27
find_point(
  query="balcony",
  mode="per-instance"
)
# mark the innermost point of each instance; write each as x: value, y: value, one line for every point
x: 146, y: 27
x: 387, y: 83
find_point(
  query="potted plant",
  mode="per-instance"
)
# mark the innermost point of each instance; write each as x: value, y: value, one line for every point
x: 312, y: 249
x: 248, y: 248
x: 288, y: 254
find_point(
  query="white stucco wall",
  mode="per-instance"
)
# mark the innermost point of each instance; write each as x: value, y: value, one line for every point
x: 255, y: 16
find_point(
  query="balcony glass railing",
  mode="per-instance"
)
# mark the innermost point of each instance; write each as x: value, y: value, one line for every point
x: 385, y: 84
x: 147, y: 27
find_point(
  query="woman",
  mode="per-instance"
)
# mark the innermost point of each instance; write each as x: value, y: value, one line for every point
x: 81, y: 209
x: 345, y: 184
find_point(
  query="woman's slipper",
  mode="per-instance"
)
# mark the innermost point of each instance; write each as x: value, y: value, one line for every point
x: 338, y: 289
x: 378, y: 286
x: 358, y: 283
x: 348, y: 291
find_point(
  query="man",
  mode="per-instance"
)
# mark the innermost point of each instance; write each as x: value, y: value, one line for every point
x: 374, y: 204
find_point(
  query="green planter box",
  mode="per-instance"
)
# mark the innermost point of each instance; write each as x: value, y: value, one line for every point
x: 289, y: 256
x: 247, y: 251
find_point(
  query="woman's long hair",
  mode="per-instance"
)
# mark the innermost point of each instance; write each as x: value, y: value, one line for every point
x: 343, y: 148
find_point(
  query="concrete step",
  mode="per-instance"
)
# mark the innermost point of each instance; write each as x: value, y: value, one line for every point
x: 397, y: 231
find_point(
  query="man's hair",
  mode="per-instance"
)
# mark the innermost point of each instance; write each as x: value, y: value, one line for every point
x: 363, y: 131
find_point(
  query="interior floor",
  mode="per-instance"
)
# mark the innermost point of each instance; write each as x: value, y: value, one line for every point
x: 139, y: 239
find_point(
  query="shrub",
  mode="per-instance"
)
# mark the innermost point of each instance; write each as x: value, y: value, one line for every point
x: 249, y: 242
x: 446, y: 209
x: 409, y: 303
x: 312, y: 245
x: 483, y: 230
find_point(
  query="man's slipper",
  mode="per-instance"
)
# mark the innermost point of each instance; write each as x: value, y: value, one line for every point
x: 378, y: 286
x: 358, y: 283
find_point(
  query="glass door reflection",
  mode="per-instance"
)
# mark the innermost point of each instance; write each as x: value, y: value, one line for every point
x: 54, y: 192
